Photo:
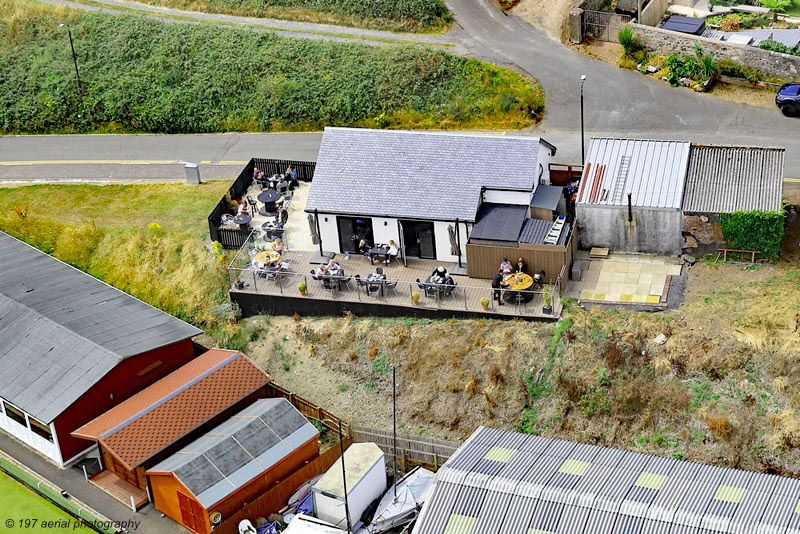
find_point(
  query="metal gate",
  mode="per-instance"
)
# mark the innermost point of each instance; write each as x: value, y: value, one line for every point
x: 603, y: 25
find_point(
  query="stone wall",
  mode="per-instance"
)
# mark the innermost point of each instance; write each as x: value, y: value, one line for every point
x: 702, y: 234
x: 665, y: 42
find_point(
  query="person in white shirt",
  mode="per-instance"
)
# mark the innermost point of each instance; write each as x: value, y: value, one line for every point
x: 391, y: 252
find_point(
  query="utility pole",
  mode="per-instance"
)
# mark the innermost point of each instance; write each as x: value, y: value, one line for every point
x: 583, y: 157
x: 74, y: 57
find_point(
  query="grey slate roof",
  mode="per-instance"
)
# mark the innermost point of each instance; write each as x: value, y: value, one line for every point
x: 425, y: 175
x: 547, y: 197
x: 502, y: 482
x: 535, y: 230
x: 242, y: 448
x: 655, y: 172
x: 499, y: 222
x: 724, y: 179
x: 62, y: 330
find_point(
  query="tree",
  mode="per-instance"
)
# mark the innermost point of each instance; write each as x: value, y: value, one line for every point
x: 776, y: 6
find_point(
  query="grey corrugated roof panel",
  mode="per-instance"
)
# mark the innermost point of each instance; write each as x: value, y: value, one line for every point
x: 750, y: 512
x: 656, y: 172
x: 495, y: 502
x: 520, y: 512
x: 63, y: 330
x: 202, y: 464
x: 573, y: 520
x: 610, y: 498
x: 600, y: 522
x: 789, y: 37
x: 724, y: 179
x: 546, y: 517
x: 694, y: 504
x: 547, y: 197
x: 590, y: 485
x: 442, y: 499
x: 428, y: 175
x: 498, y: 222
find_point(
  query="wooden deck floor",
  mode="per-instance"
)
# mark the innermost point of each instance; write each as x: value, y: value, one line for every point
x: 466, y: 297
x: 120, y: 489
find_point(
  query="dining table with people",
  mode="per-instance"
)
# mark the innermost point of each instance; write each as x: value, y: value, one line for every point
x: 441, y: 282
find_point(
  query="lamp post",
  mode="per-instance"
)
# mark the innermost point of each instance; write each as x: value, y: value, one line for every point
x: 74, y: 57
x: 583, y: 162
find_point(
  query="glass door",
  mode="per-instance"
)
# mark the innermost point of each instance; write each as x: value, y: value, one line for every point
x: 352, y: 230
x: 418, y: 239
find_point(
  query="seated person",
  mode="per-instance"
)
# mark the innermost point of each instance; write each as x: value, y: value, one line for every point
x: 320, y: 271
x: 539, y: 277
x: 281, y: 216
x: 244, y: 208
x: 277, y: 246
x: 498, y: 284
x: 439, y: 276
x: 391, y: 252
x: 258, y: 176
x: 282, y: 184
x: 522, y: 267
x: 364, y: 248
x: 506, y: 267
x: 290, y: 173
x: 333, y: 268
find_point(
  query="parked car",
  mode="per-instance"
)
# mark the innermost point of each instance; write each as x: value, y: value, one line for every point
x: 788, y: 98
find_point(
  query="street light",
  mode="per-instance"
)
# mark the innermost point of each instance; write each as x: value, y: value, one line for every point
x: 74, y: 57
x: 583, y: 79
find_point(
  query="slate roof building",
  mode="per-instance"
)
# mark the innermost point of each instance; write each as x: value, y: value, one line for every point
x: 72, y: 347
x: 409, y: 186
x: 502, y: 482
x: 233, y: 463
x: 153, y: 423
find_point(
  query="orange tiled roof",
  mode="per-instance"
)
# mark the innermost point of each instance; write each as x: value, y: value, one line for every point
x: 164, y: 412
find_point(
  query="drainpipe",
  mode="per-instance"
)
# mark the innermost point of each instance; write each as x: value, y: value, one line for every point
x: 630, y: 215
x: 458, y: 242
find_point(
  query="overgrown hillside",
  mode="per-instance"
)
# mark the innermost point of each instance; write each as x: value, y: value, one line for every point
x: 398, y: 15
x: 142, y: 75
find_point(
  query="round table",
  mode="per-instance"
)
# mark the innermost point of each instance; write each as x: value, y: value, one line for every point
x: 268, y: 197
x: 242, y: 220
x: 270, y: 257
x: 517, y: 284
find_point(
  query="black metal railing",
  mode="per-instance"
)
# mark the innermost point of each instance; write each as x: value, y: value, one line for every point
x: 234, y: 238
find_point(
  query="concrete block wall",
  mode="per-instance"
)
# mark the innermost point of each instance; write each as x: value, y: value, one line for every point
x: 654, y: 231
x: 665, y: 42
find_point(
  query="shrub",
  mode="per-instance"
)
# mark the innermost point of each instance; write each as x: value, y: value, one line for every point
x: 776, y: 6
x: 775, y: 46
x: 754, y: 230
x: 630, y: 41
x: 731, y: 23
x: 709, y: 68
x: 146, y: 75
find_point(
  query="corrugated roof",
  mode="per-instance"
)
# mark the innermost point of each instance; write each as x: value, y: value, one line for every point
x: 547, y: 197
x: 169, y: 409
x: 239, y: 450
x: 535, y: 230
x: 359, y: 459
x: 62, y: 330
x: 427, y: 175
x: 499, y: 222
x: 653, y: 171
x: 788, y: 37
x: 724, y: 179
x: 502, y: 482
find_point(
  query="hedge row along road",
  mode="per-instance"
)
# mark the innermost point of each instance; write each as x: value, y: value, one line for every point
x: 143, y: 75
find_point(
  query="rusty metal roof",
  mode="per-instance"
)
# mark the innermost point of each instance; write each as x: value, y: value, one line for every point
x: 171, y: 408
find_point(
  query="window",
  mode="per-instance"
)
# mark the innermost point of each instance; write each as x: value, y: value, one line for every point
x: 15, y: 414
x: 41, y: 429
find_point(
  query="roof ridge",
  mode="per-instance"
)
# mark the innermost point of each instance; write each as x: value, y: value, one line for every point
x: 171, y: 395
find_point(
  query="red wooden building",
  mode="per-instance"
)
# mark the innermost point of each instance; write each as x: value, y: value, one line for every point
x: 73, y: 347
x: 161, y: 418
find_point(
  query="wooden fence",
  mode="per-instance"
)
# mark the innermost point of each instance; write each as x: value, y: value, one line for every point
x: 276, y: 498
x: 234, y: 238
x: 411, y: 450
x: 309, y: 409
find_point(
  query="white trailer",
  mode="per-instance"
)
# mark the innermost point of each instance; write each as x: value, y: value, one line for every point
x: 365, y: 466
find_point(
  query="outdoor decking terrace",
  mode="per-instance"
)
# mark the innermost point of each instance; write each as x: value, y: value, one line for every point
x: 466, y: 297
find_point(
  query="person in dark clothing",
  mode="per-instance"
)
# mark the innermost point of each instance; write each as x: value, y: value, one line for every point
x: 439, y: 275
x: 498, y: 284
x: 281, y: 217
x: 521, y: 267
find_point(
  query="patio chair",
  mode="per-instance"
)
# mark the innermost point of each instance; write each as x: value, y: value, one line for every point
x: 359, y: 282
x: 287, y: 201
x: 430, y: 291
x: 252, y: 203
x: 314, y: 275
x: 346, y: 281
x: 391, y: 285
x: 374, y: 288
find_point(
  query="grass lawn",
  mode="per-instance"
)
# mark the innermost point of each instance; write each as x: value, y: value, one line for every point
x: 115, y: 208
x: 21, y: 503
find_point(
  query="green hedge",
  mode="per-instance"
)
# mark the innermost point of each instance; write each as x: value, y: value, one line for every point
x: 754, y: 230
x: 145, y: 75
x: 775, y: 46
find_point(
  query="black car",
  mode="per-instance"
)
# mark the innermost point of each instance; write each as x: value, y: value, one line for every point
x: 788, y: 98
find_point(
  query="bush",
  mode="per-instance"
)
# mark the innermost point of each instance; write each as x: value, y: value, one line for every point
x: 775, y: 46
x: 143, y: 75
x: 630, y: 41
x: 754, y: 230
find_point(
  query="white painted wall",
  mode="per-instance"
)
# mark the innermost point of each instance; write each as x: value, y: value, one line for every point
x: 329, y: 232
x: 384, y: 230
x: 443, y: 241
x: 27, y: 436
x: 519, y: 198
x: 544, y: 161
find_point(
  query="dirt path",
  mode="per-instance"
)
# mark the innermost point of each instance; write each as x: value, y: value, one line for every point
x: 550, y: 15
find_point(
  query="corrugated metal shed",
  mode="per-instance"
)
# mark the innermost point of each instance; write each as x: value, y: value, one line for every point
x: 499, y: 222
x: 502, y: 482
x: 724, y: 179
x: 62, y: 330
x: 426, y: 175
x: 653, y: 171
x: 240, y: 449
